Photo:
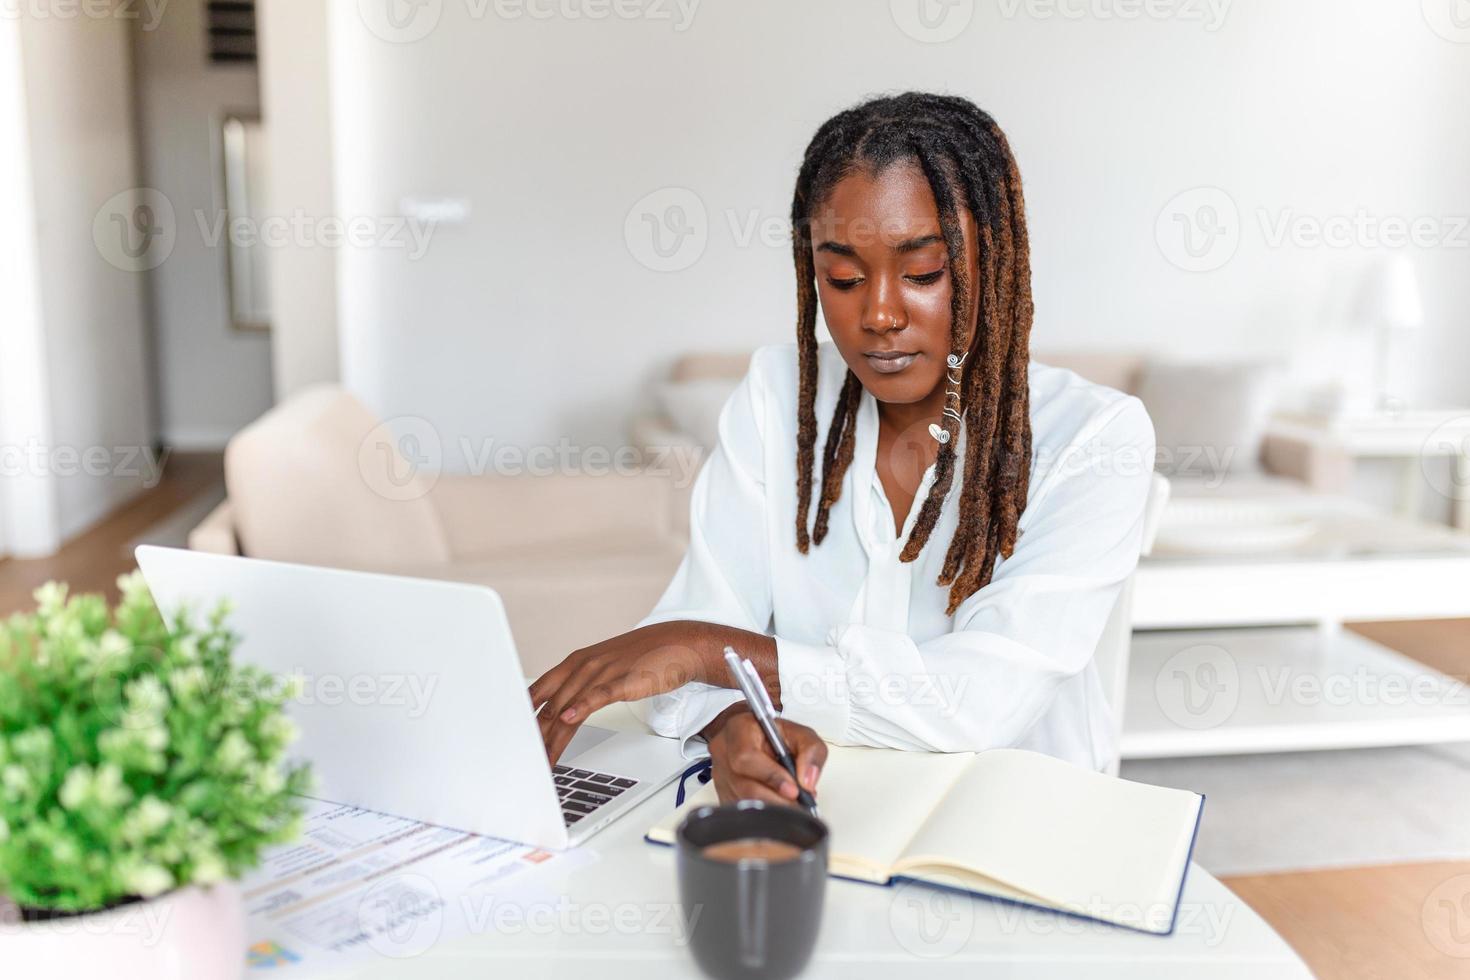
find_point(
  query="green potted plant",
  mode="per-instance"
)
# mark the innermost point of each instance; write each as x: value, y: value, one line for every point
x: 141, y: 772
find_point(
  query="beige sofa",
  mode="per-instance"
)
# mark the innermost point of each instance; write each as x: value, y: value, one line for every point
x: 576, y: 559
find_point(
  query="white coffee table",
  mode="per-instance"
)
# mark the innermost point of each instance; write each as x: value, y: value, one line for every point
x: 1238, y: 646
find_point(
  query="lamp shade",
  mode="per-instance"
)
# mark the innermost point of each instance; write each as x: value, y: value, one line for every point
x: 1389, y: 295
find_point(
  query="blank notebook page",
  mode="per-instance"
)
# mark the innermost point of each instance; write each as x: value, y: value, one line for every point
x: 873, y: 799
x: 1080, y: 840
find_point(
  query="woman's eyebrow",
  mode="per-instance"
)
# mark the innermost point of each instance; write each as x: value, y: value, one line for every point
x: 907, y: 245
x: 913, y: 244
x: 837, y: 248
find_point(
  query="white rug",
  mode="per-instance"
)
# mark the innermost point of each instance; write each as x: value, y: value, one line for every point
x: 1300, y: 810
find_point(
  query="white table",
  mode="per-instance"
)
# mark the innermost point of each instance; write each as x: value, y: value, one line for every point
x: 1200, y: 685
x: 616, y: 916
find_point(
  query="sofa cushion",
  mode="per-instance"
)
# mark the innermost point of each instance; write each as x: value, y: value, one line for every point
x: 1209, y: 419
x: 318, y: 480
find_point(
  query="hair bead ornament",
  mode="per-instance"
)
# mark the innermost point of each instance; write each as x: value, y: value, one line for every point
x: 951, y: 409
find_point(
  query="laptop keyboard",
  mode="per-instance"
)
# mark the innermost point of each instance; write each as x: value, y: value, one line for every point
x: 582, y: 791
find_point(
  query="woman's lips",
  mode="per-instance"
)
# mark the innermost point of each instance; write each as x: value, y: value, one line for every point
x: 889, y: 362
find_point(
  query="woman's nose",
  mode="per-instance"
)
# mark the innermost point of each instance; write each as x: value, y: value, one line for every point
x: 884, y: 310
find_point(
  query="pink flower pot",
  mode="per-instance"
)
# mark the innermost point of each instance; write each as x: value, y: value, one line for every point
x: 190, y: 934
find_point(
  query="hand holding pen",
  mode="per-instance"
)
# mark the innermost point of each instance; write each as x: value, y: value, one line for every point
x: 749, y: 682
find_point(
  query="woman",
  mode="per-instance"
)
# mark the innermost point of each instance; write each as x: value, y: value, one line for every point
x: 976, y: 515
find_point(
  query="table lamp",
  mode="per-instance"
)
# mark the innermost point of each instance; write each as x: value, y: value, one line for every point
x: 1389, y: 302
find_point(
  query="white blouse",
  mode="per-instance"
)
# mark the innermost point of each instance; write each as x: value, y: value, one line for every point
x: 867, y: 655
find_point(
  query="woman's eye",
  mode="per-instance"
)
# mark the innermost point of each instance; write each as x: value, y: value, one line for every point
x: 927, y: 277
x: 842, y: 284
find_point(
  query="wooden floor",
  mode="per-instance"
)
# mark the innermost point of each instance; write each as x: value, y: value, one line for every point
x: 92, y: 561
x: 1395, y: 922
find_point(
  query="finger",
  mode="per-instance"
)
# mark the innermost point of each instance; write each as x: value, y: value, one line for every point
x: 749, y: 789
x: 731, y: 786
x: 583, y: 675
x: 811, y: 756
x: 542, y: 687
x: 758, y: 766
x: 596, y: 697
x: 561, y: 736
x: 611, y: 687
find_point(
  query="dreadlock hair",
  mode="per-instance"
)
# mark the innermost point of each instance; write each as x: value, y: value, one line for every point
x: 967, y: 162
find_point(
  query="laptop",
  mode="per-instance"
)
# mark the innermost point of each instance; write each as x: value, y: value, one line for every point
x: 412, y: 700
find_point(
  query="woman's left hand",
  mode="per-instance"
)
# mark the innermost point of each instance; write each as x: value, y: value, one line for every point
x: 639, y: 664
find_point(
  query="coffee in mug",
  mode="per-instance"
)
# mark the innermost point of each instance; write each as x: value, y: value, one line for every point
x: 766, y: 849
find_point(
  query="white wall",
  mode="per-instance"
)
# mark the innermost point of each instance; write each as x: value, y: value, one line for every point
x: 89, y: 361
x: 534, y: 320
x: 212, y: 379
x: 293, y: 43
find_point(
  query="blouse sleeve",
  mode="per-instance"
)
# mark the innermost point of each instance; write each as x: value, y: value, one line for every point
x: 725, y: 575
x: 1015, y: 641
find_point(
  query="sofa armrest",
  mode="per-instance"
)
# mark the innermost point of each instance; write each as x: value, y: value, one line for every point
x: 216, y: 533
x: 1321, y: 468
x: 484, y: 516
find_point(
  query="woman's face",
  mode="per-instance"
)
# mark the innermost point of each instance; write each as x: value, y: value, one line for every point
x: 884, y: 282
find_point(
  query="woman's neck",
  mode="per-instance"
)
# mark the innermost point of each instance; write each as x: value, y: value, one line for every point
x: 901, y: 417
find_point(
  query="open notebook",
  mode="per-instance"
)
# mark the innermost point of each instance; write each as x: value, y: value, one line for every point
x: 1009, y: 824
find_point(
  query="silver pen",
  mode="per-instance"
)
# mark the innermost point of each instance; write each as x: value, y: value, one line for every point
x: 749, y: 683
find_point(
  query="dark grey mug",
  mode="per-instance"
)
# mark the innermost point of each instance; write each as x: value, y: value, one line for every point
x: 751, y: 918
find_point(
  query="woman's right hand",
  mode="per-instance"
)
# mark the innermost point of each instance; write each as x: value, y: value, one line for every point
x: 745, y: 766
